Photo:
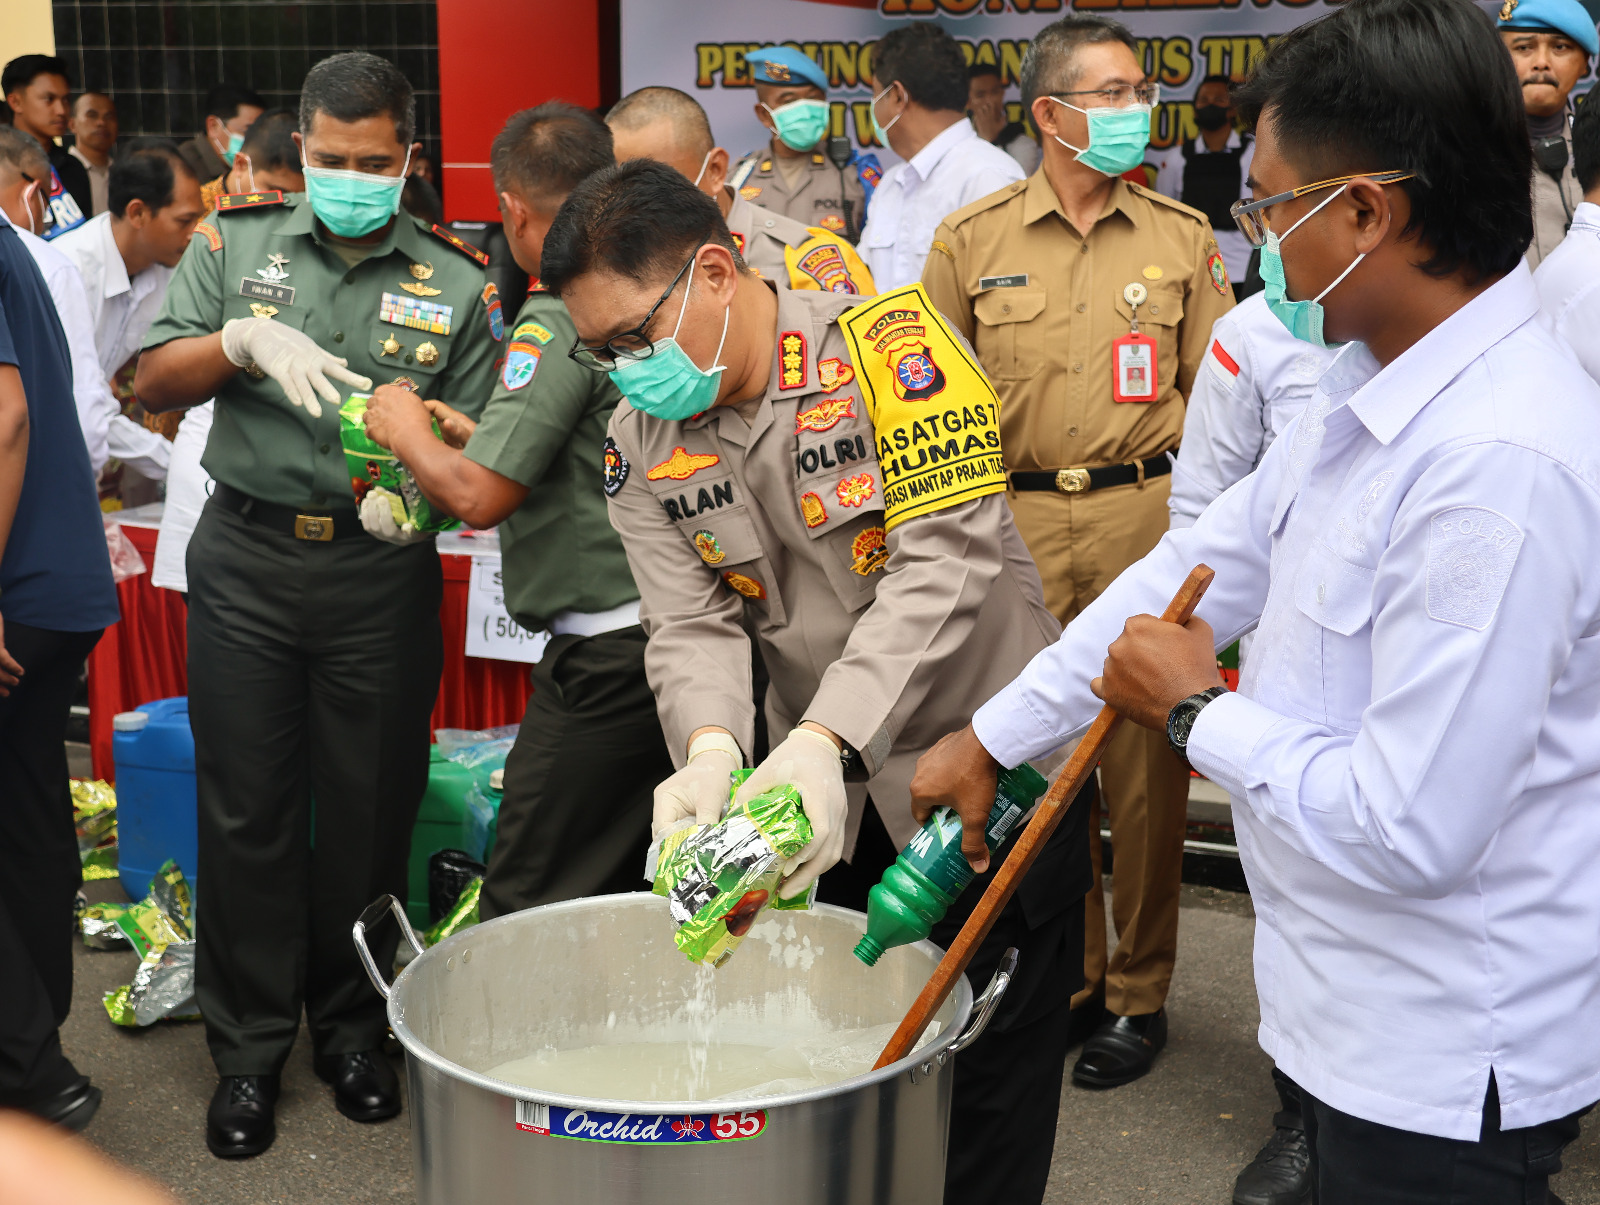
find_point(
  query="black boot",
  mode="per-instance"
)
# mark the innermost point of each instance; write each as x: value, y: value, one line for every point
x: 365, y: 1087
x: 1121, y: 1050
x: 241, y: 1121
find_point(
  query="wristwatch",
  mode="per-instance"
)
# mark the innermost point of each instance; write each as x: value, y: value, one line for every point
x: 1181, y: 719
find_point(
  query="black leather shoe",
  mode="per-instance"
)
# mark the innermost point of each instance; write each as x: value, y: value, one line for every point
x: 241, y: 1121
x: 72, y: 1107
x: 1280, y: 1174
x: 365, y: 1087
x: 1121, y: 1050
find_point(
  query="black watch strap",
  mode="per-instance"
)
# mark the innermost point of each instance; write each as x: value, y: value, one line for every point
x: 1181, y: 719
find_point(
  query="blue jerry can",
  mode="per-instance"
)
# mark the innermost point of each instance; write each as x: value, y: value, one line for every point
x: 154, y: 754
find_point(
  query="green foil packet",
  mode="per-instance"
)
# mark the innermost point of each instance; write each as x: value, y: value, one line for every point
x: 374, y: 469
x: 717, y: 878
x: 161, y: 928
x: 94, y: 813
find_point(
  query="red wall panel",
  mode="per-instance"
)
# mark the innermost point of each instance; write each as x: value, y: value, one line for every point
x: 498, y: 56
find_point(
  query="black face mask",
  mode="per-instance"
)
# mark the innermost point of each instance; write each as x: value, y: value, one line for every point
x: 1210, y: 117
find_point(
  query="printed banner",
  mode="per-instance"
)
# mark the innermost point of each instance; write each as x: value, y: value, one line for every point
x: 701, y: 49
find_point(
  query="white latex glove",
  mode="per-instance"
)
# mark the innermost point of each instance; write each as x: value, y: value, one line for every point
x: 699, y: 791
x: 291, y: 358
x: 377, y: 516
x: 809, y: 762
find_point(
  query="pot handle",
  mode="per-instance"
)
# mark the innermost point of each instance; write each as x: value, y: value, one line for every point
x: 983, y: 1008
x: 373, y: 914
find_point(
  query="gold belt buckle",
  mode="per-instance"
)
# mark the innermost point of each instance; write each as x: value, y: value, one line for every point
x: 1072, y: 481
x: 313, y: 527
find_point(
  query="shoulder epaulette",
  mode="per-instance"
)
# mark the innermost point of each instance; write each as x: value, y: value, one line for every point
x: 984, y: 204
x: 1161, y: 198
x: 230, y: 201
x: 462, y: 246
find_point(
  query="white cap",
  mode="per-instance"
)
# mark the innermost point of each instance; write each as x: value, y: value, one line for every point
x: 129, y: 721
x: 497, y: 780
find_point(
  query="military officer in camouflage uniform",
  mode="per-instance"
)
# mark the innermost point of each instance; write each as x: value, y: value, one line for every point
x: 793, y: 175
x: 670, y: 126
x: 832, y: 479
x: 314, y: 649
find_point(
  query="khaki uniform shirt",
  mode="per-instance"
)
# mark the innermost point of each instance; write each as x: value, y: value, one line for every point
x: 269, y: 257
x: 543, y: 428
x: 1041, y: 305
x: 814, y: 200
x: 1550, y: 216
x: 783, y: 250
x: 891, y: 641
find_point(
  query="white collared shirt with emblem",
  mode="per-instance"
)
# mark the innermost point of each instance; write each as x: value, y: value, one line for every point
x: 1413, y: 754
x: 953, y: 170
x: 122, y: 308
x: 1255, y: 377
x: 1569, y: 286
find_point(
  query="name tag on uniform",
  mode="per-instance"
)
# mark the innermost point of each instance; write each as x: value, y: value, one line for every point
x: 415, y: 313
x: 1019, y: 281
x: 266, y: 290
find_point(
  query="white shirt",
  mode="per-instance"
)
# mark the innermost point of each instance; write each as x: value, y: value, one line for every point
x: 188, y: 487
x: 1569, y: 286
x: 1170, y: 164
x: 107, y: 431
x: 122, y: 308
x: 1256, y: 376
x: 1412, y: 754
x: 913, y: 197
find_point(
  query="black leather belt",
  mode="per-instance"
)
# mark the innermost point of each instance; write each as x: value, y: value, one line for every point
x: 1081, y: 481
x: 320, y: 524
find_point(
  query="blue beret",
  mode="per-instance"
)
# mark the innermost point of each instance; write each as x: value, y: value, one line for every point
x: 785, y: 65
x: 1562, y: 16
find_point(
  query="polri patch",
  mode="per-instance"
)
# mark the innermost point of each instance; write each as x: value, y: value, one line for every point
x: 1018, y: 280
x: 812, y: 510
x: 1471, y: 552
x: 855, y: 490
x: 414, y: 312
x: 705, y: 543
x: 869, y: 551
x: 747, y: 586
x: 521, y: 362
x: 266, y: 290
x: 825, y: 415
x: 615, y: 465
x: 833, y: 373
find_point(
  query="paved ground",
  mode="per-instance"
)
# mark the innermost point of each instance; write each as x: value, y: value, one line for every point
x: 1180, y: 1135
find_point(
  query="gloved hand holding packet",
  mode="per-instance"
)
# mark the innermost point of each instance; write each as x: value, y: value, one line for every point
x: 718, y: 877
x: 376, y: 473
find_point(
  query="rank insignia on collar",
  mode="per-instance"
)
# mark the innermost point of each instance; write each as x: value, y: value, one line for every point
x: 747, y: 586
x: 682, y: 465
x: 824, y: 416
x: 229, y: 201
x: 792, y: 360
x: 766, y: 165
x: 812, y: 510
x: 853, y: 491
x: 427, y: 355
x: 706, y: 545
x: 615, y: 466
x: 738, y: 240
x: 462, y: 246
x: 833, y: 373
x: 817, y: 159
x: 869, y: 551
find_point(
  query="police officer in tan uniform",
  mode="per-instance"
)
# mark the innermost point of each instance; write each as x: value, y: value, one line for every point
x: 1090, y: 301
x: 670, y: 126
x: 831, y: 477
x: 793, y: 175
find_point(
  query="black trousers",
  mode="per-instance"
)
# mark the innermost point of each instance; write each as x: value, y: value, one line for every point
x: 579, y: 782
x: 1356, y: 1162
x: 313, y: 669
x: 1008, y: 1083
x: 39, y: 867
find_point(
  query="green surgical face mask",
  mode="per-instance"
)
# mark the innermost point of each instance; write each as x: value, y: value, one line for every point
x: 878, y: 128
x: 226, y: 153
x: 1302, y: 319
x: 1118, y: 138
x: 353, y: 204
x: 667, y: 384
x: 800, y: 123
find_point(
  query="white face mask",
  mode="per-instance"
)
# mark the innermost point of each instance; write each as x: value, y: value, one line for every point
x: 704, y: 163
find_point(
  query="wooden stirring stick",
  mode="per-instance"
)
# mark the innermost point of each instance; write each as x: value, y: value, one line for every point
x: 1067, y: 785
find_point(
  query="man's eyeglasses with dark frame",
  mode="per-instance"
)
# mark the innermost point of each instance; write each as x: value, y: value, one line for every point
x: 631, y: 344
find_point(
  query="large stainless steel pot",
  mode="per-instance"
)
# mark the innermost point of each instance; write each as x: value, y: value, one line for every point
x: 558, y: 974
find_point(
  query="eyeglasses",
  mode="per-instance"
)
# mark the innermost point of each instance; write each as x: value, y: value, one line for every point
x: 1122, y: 96
x: 1251, y: 216
x: 630, y: 344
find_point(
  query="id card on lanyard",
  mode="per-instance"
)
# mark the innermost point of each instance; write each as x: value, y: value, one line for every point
x: 1133, y: 356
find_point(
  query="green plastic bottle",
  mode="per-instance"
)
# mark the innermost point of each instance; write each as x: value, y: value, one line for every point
x: 918, y: 889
